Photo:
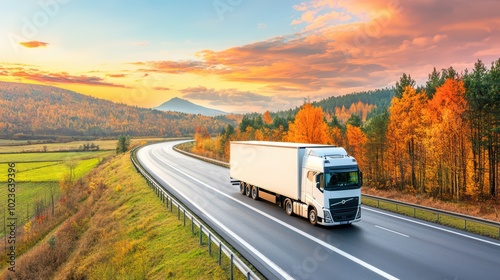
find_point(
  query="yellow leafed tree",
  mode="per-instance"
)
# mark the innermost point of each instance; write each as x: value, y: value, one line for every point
x: 309, y: 126
x: 356, y: 140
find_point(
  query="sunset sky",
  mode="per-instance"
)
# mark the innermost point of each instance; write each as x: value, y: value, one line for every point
x: 240, y: 55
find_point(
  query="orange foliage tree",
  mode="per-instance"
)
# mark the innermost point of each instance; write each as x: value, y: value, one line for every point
x: 447, y: 135
x: 405, y: 134
x: 356, y: 140
x: 267, y: 118
x: 309, y: 126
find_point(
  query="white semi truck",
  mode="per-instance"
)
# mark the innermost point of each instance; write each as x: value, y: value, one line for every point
x: 318, y: 182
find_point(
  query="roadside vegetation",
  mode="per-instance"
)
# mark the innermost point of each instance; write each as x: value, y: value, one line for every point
x: 105, y: 223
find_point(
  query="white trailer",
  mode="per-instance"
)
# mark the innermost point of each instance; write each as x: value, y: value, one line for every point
x: 318, y: 182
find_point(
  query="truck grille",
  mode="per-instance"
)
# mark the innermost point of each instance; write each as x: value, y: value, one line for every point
x: 344, y: 209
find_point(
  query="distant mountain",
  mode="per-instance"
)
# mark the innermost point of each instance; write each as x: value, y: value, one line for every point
x: 29, y: 110
x: 184, y: 106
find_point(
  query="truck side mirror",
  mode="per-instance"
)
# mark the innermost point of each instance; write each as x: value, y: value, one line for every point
x: 360, y: 178
x: 319, y: 182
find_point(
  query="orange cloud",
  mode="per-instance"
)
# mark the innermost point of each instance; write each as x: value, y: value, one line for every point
x: 116, y: 75
x: 33, y: 44
x: 60, y: 78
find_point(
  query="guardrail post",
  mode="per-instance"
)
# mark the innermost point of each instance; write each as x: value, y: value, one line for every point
x: 184, y: 217
x: 220, y: 253
x: 192, y: 225
x: 231, y: 268
x: 209, y: 244
x: 201, y: 234
x: 178, y: 213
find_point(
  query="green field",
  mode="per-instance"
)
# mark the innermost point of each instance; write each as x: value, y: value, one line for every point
x: 37, y: 175
x: 47, y: 167
x: 50, y: 156
x: 26, y: 196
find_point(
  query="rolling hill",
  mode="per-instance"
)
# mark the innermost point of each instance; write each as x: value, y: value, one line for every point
x: 30, y: 110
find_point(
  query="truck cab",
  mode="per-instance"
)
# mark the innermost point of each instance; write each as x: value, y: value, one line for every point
x: 331, y: 186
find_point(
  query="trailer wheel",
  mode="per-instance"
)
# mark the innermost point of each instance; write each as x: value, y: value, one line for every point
x: 248, y: 190
x: 313, y: 216
x: 288, y: 207
x: 242, y: 188
x: 255, y: 193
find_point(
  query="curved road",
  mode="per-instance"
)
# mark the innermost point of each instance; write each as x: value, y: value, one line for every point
x: 382, y: 246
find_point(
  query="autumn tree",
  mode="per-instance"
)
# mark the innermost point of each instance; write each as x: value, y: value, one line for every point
x: 268, y: 120
x: 309, y: 126
x: 405, y: 135
x: 200, y: 135
x: 448, y: 138
x: 336, y: 136
x: 356, y: 141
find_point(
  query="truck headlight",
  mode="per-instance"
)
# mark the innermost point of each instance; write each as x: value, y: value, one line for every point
x: 358, y: 216
x: 328, y: 216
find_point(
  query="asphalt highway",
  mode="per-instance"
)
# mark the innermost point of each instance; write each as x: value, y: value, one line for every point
x: 382, y: 246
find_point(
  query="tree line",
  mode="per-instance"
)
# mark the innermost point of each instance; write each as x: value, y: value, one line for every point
x: 440, y: 139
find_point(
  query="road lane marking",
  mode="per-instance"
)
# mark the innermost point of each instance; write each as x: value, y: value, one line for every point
x: 310, y: 237
x: 432, y: 226
x: 393, y: 231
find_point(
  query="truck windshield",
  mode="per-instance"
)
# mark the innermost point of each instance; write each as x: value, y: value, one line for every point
x: 341, y: 180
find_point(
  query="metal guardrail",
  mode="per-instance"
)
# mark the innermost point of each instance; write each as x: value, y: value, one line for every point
x: 469, y: 222
x: 170, y: 201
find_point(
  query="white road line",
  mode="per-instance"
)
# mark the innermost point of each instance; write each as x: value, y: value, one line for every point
x: 432, y: 226
x: 310, y: 237
x: 393, y: 231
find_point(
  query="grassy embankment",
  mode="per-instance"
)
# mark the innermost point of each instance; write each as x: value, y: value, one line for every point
x: 113, y: 227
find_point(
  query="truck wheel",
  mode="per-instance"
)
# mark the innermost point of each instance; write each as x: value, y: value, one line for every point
x: 248, y: 190
x: 255, y: 193
x: 288, y: 207
x: 242, y: 188
x: 313, y: 216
